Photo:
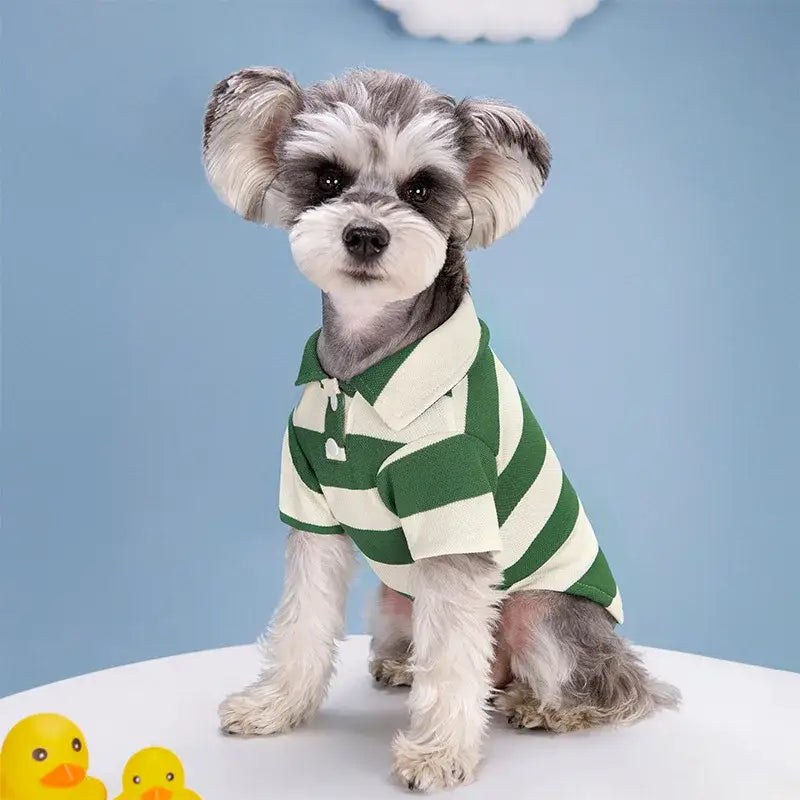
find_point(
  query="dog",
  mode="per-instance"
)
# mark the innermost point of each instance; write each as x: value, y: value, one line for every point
x: 411, y: 440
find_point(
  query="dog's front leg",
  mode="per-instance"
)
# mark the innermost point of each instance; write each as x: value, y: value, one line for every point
x: 299, y: 648
x: 454, y: 616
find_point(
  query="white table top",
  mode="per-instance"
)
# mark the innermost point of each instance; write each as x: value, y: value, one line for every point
x: 737, y: 735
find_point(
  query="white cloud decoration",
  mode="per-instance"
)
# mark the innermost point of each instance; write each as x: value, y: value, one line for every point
x: 496, y: 20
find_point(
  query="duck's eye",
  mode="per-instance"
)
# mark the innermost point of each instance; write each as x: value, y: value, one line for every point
x: 330, y: 181
x: 137, y: 779
x: 170, y: 776
x: 39, y: 754
x: 76, y: 745
x: 417, y: 191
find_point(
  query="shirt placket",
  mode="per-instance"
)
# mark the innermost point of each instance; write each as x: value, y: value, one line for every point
x: 334, y: 421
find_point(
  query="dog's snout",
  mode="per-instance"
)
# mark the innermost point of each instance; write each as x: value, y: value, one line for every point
x: 365, y: 241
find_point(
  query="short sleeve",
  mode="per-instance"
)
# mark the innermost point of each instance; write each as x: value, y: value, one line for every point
x: 302, y: 504
x: 442, y: 488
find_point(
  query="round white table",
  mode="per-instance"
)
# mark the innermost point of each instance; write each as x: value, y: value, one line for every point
x: 737, y: 735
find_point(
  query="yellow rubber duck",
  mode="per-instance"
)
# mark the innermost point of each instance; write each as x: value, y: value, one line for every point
x: 44, y: 757
x: 155, y: 773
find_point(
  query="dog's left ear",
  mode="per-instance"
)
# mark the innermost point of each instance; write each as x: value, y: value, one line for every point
x: 509, y: 160
x: 246, y: 116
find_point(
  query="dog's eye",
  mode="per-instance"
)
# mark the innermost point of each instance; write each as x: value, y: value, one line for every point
x: 417, y: 191
x: 330, y: 181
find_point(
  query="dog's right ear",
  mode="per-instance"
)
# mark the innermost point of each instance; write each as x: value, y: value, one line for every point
x: 509, y: 161
x: 245, y: 118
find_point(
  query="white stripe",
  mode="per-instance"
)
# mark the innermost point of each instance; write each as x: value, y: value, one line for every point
x: 361, y: 419
x: 465, y: 526
x: 615, y: 608
x: 532, y: 512
x: 296, y: 499
x: 569, y: 563
x: 360, y: 508
x: 310, y: 411
x: 446, y: 414
x: 395, y: 576
x: 510, y: 405
x: 434, y: 367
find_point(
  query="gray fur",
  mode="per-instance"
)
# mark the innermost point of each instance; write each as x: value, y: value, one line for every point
x: 571, y: 670
x: 566, y: 669
x: 378, y: 96
x: 344, y: 353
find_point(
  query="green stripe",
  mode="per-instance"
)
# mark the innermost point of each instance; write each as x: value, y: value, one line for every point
x: 483, y: 408
x: 373, y: 380
x: 550, y: 538
x: 310, y: 368
x: 334, y: 422
x: 456, y: 468
x: 307, y: 526
x: 299, y: 460
x: 364, y: 457
x: 387, y: 547
x: 524, y: 467
x: 597, y: 583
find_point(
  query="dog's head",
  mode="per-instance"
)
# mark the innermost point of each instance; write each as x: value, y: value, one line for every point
x: 374, y: 174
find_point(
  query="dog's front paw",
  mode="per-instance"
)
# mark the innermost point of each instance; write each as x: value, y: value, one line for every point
x: 260, y: 711
x: 425, y: 766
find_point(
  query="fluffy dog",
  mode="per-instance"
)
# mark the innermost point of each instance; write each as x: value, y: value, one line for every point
x: 411, y: 440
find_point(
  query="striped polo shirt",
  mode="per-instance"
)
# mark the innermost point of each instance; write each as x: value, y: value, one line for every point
x: 433, y: 451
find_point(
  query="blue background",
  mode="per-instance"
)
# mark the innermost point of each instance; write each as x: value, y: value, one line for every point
x: 648, y: 308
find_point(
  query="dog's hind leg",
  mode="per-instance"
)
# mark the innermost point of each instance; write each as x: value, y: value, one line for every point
x: 390, y: 647
x: 570, y: 669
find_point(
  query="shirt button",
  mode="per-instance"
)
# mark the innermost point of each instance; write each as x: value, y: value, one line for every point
x: 332, y: 449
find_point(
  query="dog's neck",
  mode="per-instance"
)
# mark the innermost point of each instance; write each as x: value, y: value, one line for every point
x: 357, y: 334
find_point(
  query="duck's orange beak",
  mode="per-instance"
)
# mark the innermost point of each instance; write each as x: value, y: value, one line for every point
x: 64, y: 776
x: 157, y: 793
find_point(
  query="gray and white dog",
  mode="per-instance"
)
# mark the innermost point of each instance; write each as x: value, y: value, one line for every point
x: 383, y: 184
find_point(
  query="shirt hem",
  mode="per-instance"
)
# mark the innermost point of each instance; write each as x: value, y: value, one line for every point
x: 307, y: 526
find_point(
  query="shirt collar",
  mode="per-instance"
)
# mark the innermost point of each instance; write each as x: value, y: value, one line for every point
x: 403, y: 385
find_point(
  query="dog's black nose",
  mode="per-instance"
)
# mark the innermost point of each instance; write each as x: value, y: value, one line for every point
x: 365, y: 241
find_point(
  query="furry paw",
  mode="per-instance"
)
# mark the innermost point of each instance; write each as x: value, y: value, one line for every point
x: 260, y: 710
x: 521, y: 707
x: 424, y: 766
x: 524, y: 710
x: 391, y: 671
x: 579, y: 718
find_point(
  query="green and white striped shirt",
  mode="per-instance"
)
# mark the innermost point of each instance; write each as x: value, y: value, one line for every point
x: 434, y: 451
